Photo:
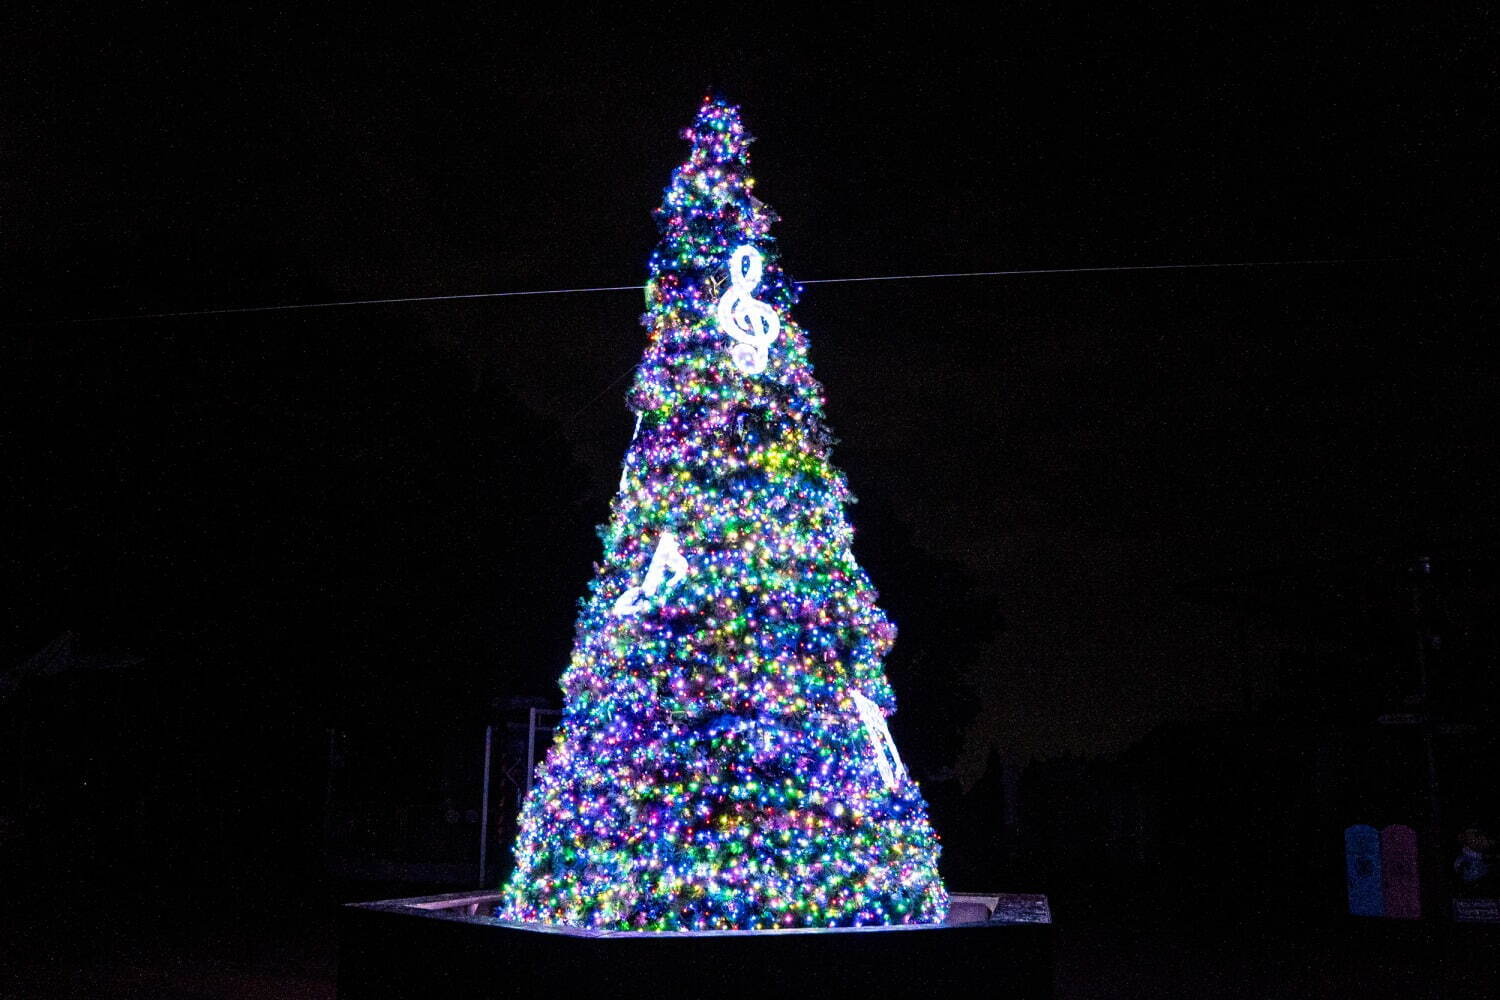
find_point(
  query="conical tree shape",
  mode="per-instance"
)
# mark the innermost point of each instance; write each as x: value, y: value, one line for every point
x: 723, y: 760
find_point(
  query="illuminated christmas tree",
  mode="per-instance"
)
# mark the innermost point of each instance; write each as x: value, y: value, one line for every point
x: 723, y: 759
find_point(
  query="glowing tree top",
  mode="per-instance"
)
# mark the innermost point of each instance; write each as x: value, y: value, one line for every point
x: 723, y: 759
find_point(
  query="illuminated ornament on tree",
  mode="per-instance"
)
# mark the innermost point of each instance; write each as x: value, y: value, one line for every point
x: 666, y: 559
x: 624, y: 471
x: 887, y: 760
x: 708, y: 772
x: 749, y: 321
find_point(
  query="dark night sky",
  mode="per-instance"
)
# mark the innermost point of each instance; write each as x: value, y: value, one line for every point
x: 350, y: 509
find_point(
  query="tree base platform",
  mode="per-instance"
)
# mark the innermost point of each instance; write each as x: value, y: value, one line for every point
x: 448, y: 946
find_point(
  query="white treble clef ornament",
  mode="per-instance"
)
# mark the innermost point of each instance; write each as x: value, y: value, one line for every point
x: 753, y: 324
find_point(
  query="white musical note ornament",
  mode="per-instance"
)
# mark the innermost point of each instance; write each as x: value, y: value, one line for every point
x: 667, y: 559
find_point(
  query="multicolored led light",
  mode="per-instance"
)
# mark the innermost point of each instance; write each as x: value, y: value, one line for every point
x: 718, y: 765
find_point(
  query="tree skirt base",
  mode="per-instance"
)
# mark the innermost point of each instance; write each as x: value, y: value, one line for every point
x: 448, y: 946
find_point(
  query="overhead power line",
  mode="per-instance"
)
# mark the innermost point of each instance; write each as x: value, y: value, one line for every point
x: 409, y: 299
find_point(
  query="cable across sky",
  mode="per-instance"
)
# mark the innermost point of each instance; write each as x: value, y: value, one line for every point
x: 411, y: 299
